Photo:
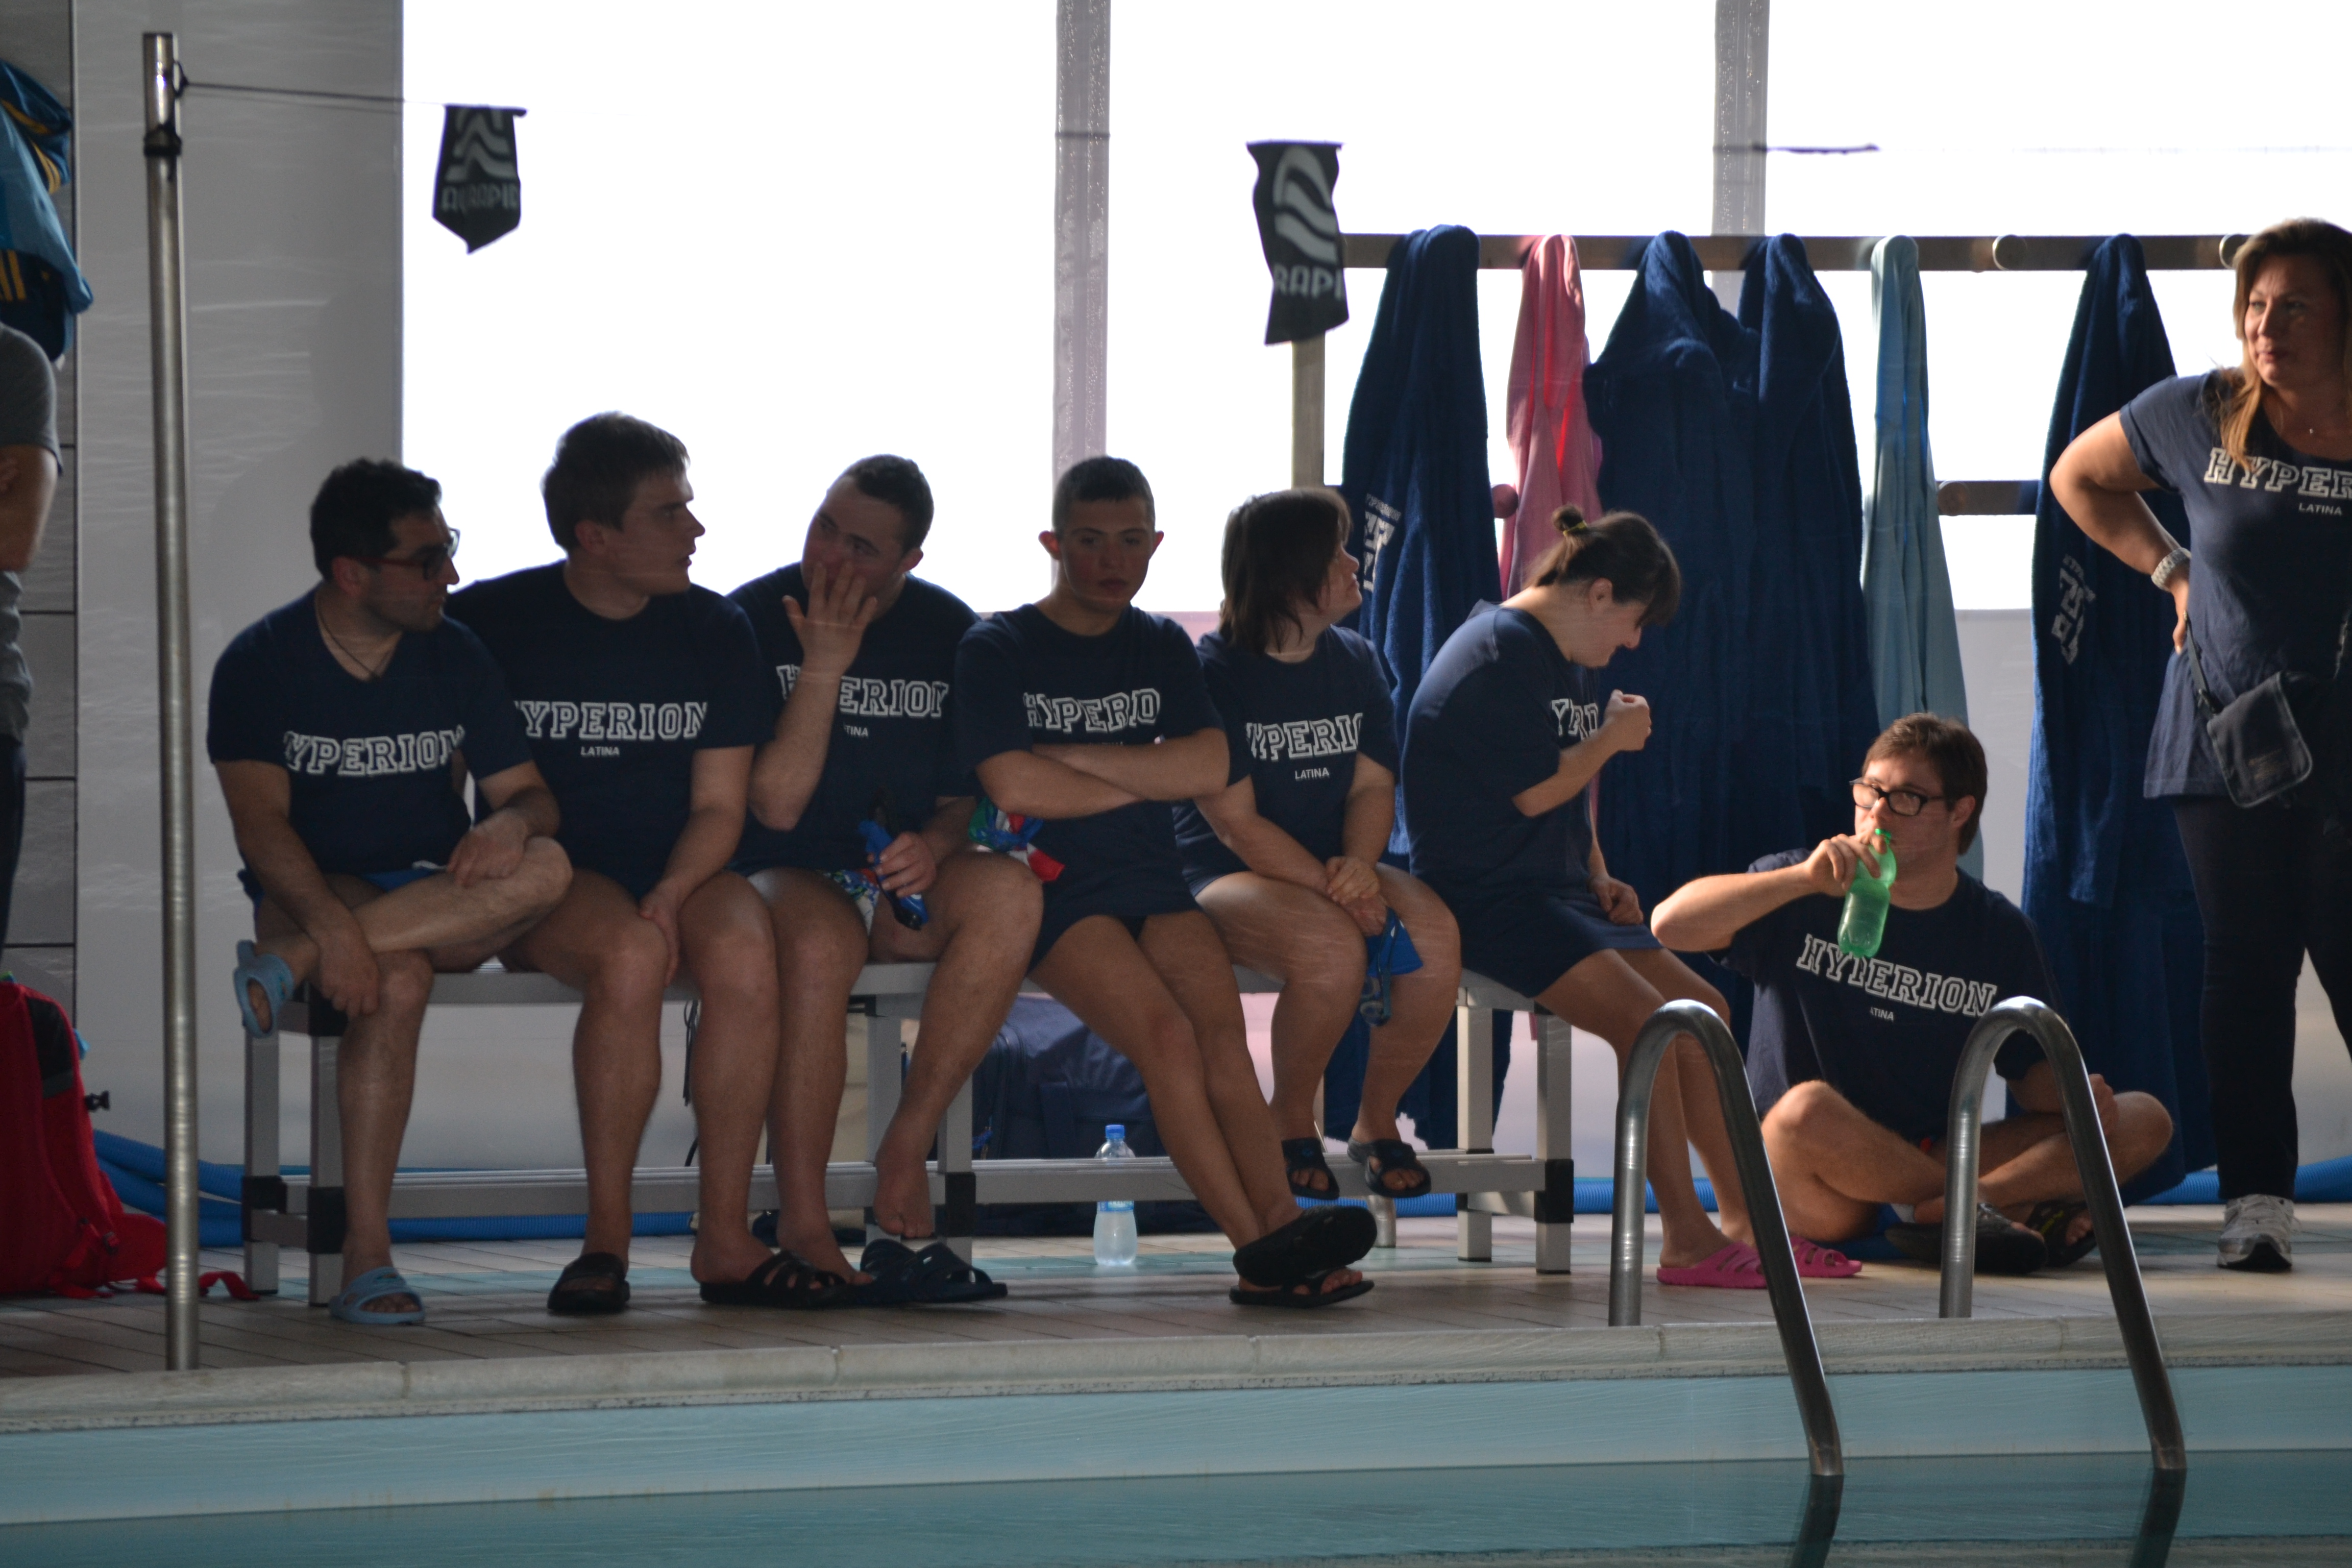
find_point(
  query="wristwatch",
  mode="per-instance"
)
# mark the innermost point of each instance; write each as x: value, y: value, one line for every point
x: 2165, y: 569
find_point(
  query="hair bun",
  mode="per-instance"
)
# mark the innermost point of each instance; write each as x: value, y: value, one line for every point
x: 1569, y: 519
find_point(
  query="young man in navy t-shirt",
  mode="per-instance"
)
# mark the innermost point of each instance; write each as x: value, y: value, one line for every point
x: 862, y: 658
x: 641, y: 697
x: 344, y: 727
x: 1084, y: 711
x: 1852, y: 1058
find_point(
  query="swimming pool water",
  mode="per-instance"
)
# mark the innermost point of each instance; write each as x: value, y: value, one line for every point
x: 2276, y: 1509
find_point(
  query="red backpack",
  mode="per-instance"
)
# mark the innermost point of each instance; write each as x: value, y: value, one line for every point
x: 62, y: 1229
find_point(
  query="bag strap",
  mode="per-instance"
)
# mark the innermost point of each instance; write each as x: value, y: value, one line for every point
x: 2197, y: 671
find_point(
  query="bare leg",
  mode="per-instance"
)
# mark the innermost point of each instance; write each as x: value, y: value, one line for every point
x: 1199, y: 973
x: 375, y: 1082
x: 1833, y: 1165
x: 985, y: 911
x: 1603, y: 995
x: 1702, y: 1101
x: 597, y: 943
x: 820, y: 946
x: 1423, y: 1005
x: 2028, y: 1159
x: 723, y: 928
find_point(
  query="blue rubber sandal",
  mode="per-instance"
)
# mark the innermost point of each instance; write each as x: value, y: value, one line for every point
x: 350, y: 1306
x: 268, y: 971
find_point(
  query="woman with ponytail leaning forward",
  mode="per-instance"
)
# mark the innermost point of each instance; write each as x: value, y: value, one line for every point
x: 1287, y: 858
x: 2262, y: 456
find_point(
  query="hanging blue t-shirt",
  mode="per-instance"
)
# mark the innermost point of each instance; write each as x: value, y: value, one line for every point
x: 370, y: 762
x: 1295, y: 731
x: 2273, y: 568
x: 1021, y: 681
x: 616, y: 710
x: 892, y: 731
x: 1884, y: 1032
x: 1497, y: 707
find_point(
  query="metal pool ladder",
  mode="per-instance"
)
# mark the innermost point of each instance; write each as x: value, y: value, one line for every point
x: 1963, y: 1150
x: 1789, y: 1314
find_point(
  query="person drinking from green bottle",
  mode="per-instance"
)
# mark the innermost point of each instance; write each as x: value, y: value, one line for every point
x: 1851, y: 1056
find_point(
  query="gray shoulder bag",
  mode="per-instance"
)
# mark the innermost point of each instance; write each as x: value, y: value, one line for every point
x: 2264, y: 739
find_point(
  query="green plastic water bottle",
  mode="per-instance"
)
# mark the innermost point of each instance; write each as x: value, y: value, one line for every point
x: 1864, y: 925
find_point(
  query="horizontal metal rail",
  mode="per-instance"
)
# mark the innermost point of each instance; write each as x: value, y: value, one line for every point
x: 1845, y: 252
x: 1666, y: 1025
x: 1964, y: 1150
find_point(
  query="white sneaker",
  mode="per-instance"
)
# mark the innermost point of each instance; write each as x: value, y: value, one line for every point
x: 2257, y: 1234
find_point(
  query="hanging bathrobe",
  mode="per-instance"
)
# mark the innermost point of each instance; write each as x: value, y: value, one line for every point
x: 1415, y: 474
x: 2106, y: 881
x: 1915, y: 639
x: 1672, y: 400
x: 1558, y: 458
x: 1812, y: 710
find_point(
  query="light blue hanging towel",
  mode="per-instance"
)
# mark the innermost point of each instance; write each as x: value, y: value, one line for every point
x: 1915, y: 638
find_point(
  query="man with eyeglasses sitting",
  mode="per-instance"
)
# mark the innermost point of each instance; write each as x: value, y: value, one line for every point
x: 343, y: 726
x: 1852, y: 1058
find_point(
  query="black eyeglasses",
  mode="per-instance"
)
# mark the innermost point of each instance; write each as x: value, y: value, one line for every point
x: 427, y: 562
x: 1901, y: 802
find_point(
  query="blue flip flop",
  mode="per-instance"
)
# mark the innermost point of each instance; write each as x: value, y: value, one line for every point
x: 268, y: 971
x: 350, y: 1306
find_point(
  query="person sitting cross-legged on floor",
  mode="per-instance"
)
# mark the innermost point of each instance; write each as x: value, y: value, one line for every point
x: 864, y: 658
x: 342, y: 727
x: 643, y: 698
x: 1853, y: 1059
x: 1287, y: 858
x: 1084, y: 711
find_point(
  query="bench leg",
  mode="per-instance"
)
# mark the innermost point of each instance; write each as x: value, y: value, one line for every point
x: 959, y: 1212
x: 265, y: 1187
x: 1474, y: 1056
x: 1383, y: 1220
x: 325, y: 1213
x: 1556, y: 1205
x: 879, y: 1039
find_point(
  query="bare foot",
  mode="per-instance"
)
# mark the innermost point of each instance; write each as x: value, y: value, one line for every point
x: 902, y: 1198
x: 1687, y: 1247
x: 818, y: 1248
x: 724, y: 1259
x: 358, y: 1263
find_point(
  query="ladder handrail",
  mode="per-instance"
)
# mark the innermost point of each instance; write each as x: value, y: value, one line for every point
x: 1796, y: 1325
x: 1963, y: 1148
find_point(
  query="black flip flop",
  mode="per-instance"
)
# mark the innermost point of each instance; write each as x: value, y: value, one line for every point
x: 934, y: 1277
x: 2003, y: 1245
x: 1382, y: 1155
x: 1304, y: 1297
x: 1304, y: 1157
x: 592, y: 1285
x: 787, y: 1280
x: 2052, y: 1220
x: 1328, y: 1237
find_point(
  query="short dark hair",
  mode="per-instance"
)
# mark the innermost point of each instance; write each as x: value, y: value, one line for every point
x: 1102, y: 479
x: 598, y: 465
x: 1620, y: 549
x: 353, y: 511
x: 899, y: 482
x: 1947, y: 746
x: 1278, y: 551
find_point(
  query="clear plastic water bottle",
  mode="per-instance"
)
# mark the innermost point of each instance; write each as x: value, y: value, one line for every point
x: 1115, y: 1222
x: 1863, y: 926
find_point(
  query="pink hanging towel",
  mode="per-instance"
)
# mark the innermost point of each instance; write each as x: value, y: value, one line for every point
x: 1558, y: 455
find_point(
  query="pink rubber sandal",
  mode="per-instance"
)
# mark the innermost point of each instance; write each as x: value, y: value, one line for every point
x: 1815, y: 1261
x: 1734, y: 1266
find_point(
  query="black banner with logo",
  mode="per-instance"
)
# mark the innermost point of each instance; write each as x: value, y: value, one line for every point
x: 477, y: 192
x: 1299, y: 228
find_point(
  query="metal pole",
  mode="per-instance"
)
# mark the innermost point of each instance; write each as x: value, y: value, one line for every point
x: 1667, y: 1024
x: 1743, y: 35
x: 1963, y: 1148
x: 1307, y: 411
x: 1081, y: 230
x: 167, y: 317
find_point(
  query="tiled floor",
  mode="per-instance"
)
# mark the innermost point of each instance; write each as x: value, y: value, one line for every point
x: 486, y: 1299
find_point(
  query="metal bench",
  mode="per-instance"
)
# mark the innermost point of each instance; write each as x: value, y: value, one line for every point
x: 306, y: 1211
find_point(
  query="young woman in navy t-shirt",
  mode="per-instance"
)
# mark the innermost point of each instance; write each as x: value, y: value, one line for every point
x: 1506, y: 737
x: 1287, y: 858
x: 1082, y: 710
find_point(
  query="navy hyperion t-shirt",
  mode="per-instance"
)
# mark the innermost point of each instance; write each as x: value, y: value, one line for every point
x: 1884, y: 1032
x: 2273, y: 568
x: 615, y: 710
x: 1295, y: 731
x: 1499, y: 704
x: 369, y: 760
x: 892, y: 731
x: 1022, y: 682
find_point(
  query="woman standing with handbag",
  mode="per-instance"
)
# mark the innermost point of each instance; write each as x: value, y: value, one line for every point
x: 2247, y: 743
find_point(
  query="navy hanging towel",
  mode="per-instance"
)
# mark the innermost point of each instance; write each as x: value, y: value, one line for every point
x: 2106, y: 884
x: 1812, y: 709
x: 1414, y: 475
